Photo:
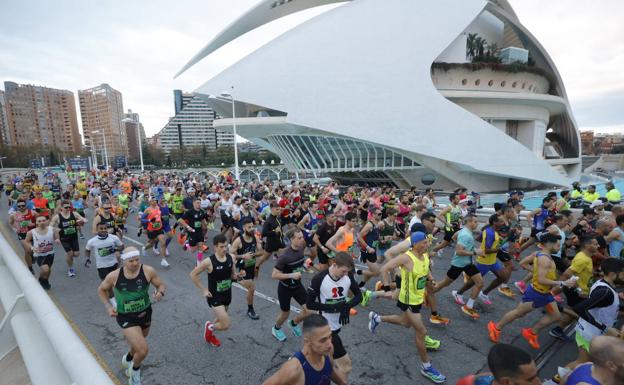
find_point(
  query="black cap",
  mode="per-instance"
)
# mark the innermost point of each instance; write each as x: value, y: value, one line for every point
x: 547, y: 237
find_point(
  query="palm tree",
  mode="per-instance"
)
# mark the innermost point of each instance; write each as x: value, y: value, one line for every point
x: 471, y: 45
x: 480, y: 45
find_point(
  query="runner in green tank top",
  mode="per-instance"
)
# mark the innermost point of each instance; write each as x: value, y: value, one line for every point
x: 130, y: 284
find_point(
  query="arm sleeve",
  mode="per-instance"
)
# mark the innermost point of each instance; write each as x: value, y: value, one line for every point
x: 600, y: 297
x: 355, y: 290
x: 314, y: 298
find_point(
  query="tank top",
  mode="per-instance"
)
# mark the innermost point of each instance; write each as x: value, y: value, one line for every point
x: 154, y: 220
x: 246, y: 247
x: 24, y: 221
x: 386, y: 230
x: 489, y: 259
x: 582, y: 373
x: 453, y: 217
x: 551, y: 274
x: 43, y: 243
x: 310, y: 226
x: 67, y: 226
x: 605, y: 315
x: 616, y: 247
x: 346, y: 243
x: 132, y: 294
x: 413, y: 282
x: 372, y: 238
x: 220, y: 280
x: 110, y: 222
x: 312, y: 376
x: 539, y: 220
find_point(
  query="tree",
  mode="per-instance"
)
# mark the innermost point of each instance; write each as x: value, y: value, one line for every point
x: 471, y: 45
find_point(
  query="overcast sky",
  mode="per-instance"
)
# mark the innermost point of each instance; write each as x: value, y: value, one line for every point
x: 138, y: 46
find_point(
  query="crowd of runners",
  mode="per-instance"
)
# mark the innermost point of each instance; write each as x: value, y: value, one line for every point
x: 572, y: 248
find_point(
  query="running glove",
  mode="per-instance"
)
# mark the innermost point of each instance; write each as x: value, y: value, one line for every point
x: 344, y: 315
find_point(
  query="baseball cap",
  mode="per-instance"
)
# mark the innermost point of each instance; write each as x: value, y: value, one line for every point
x: 417, y: 237
x: 547, y: 237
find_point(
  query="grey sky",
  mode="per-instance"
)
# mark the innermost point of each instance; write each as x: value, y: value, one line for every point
x: 137, y: 47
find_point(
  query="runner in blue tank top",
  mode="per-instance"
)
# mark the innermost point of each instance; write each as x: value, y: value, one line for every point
x: 311, y: 365
x: 606, y: 367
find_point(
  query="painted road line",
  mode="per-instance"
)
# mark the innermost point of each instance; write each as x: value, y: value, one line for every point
x: 7, y: 234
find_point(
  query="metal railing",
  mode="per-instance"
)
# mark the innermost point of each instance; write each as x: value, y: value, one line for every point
x: 52, y: 352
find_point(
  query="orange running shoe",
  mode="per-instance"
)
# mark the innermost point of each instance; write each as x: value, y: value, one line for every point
x: 471, y: 312
x: 493, y: 332
x: 439, y: 320
x: 353, y: 312
x: 506, y: 291
x: 181, y: 238
x: 379, y: 286
x: 531, y: 337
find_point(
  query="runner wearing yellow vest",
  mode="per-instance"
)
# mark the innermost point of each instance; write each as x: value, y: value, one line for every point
x: 590, y: 194
x: 414, y: 268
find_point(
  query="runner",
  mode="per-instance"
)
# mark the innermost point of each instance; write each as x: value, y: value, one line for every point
x: 462, y: 263
x: 325, y: 230
x: 509, y: 365
x: 78, y: 204
x: 616, y: 238
x: 155, y: 233
x: 414, y: 267
x: 194, y: 221
x: 23, y: 220
x: 368, y: 238
x: 40, y: 241
x: 313, y: 364
x: 246, y: 249
x: 67, y: 224
x: 327, y: 293
x: 537, y: 218
x: 272, y: 233
x: 344, y: 239
x: 287, y: 271
x: 221, y: 273
x: 451, y: 216
x: 106, y: 248
x: 538, y: 294
x: 606, y: 367
x: 130, y: 284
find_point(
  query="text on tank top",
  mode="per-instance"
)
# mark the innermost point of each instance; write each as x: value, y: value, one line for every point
x: 220, y: 279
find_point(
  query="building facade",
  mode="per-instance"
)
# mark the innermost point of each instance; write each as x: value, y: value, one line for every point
x: 416, y: 112
x: 4, y: 123
x: 192, y: 124
x: 37, y: 115
x: 101, y: 110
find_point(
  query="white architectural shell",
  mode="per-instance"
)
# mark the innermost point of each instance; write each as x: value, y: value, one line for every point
x: 356, y: 81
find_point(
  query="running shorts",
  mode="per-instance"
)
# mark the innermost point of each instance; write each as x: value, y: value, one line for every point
x: 284, y: 295
x: 221, y: 299
x: 539, y: 299
x: 454, y: 272
x: 413, y: 308
x: 154, y: 234
x: 45, y: 260
x: 484, y: 269
x: 70, y: 244
x: 503, y: 256
x: 368, y: 257
x: 104, y: 271
x: 142, y: 319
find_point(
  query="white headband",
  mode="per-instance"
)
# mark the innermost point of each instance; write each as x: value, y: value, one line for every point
x: 130, y: 254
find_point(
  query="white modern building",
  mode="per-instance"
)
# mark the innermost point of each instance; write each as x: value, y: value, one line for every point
x: 192, y: 124
x: 399, y: 91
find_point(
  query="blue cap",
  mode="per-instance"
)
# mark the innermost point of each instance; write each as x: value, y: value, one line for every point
x: 416, y: 237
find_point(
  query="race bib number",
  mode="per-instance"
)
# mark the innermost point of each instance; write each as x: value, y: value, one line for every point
x: 224, y: 285
x: 198, y: 224
x: 134, y: 306
x: 422, y: 282
x: 106, y: 251
x: 250, y: 262
x: 156, y: 225
x: 69, y: 231
x: 299, y: 269
x: 24, y: 224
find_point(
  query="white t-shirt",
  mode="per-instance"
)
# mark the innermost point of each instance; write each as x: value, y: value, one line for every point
x: 413, y: 221
x: 104, y: 250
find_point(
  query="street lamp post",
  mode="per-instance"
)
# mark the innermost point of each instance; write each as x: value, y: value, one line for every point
x: 105, y: 149
x: 230, y: 96
x: 1, y: 164
x: 138, y: 129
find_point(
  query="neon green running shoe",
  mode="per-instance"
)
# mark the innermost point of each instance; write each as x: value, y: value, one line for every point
x: 432, y: 344
x: 366, y: 297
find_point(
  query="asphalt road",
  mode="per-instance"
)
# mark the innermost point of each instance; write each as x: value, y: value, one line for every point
x: 249, y: 353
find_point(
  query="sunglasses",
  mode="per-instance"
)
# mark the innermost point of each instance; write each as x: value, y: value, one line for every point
x: 21, y: 206
x: 67, y: 207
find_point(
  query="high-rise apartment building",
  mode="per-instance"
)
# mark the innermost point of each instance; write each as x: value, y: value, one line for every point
x: 101, y: 109
x: 4, y: 123
x: 192, y: 124
x: 38, y: 115
x: 134, y: 130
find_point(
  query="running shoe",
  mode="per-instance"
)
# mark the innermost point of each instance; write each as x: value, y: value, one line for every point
x: 529, y: 335
x: 432, y: 374
x: 439, y: 320
x: 373, y: 321
x: 207, y: 331
x: 135, y: 377
x: 432, y: 344
x: 521, y: 286
x: 471, y: 312
x: 506, y: 291
x: 156, y: 251
x: 71, y: 272
x: 214, y: 341
x: 164, y: 263
x: 278, y: 334
x: 557, y: 332
x: 296, y: 329
x: 366, y: 297
x: 353, y: 311
x: 251, y: 313
x: 379, y: 286
x: 485, y: 298
x: 126, y: 365
x: 493, y: 332
x: 459, y: 299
